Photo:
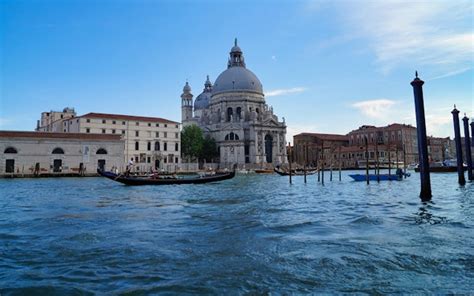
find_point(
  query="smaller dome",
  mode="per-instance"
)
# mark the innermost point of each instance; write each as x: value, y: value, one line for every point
x: 202, y: 101
x: 187, y: 88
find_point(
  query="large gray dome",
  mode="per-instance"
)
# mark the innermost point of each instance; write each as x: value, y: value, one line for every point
x: 237, y: 79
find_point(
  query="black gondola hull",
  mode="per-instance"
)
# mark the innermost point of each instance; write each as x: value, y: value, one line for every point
x: 133, y: 181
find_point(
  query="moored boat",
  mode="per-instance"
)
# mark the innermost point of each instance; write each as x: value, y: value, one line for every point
x: 398, y: 176
x: 447, y: 166
x: 281, y: 172
x: 166, y: 180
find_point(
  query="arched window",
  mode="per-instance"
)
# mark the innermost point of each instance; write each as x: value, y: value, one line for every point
x: 148, y: 146
x: 229, y: 113
x: 101, y: 151
x: 231, y: 137
x: 10, y: 150
x: 137, y: 145
x: 165, y: 146
x: 157, y: 146
x: 58, y: 151
x: 238, y: 114
x: 176, y: 147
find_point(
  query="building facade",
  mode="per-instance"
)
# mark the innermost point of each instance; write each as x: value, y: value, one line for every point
x: 234, y: 113
x: 314, y: 148
x: 392, y: 144
x: 152, y: 143
x: 47, y: 153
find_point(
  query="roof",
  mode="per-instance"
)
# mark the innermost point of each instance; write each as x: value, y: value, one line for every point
x: 237, y: 78
x: 126, y: 117
x: 327, y: 137
x: 50, y: 135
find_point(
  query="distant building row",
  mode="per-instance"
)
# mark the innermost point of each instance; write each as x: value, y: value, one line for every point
x: 394, y: 143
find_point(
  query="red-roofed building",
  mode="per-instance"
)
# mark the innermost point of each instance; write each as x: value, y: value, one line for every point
x: 152, y: 142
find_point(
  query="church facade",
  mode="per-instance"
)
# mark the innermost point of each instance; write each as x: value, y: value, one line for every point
x: 234, y: 113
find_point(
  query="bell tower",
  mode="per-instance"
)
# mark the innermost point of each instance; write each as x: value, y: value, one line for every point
x: 186, y: 103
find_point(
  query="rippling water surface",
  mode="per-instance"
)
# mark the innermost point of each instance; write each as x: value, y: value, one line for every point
x: 252, y: 234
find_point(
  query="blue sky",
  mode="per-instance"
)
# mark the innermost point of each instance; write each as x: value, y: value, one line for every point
x: 326, y: 66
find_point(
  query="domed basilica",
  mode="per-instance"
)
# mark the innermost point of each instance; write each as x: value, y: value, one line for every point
x: 233, y: 112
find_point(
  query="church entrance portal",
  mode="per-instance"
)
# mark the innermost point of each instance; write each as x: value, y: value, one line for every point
x: 269, y: 148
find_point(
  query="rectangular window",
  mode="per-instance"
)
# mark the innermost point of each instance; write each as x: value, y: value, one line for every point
x: 157, y: 125
x: 148, y: 159
x: 113, y: 122
x: 137, y: 123
x: 176, y: 160
x: 113, y: 131
x: 104, y: 121
x: 103, y: 130
x: 136, y: 133
x: 166, y: 125
x: 157, y: 134
x: 123, y: 132
x: 123, y: 122
x: 137, y: 146
x: 136, y: 158
x: 149, y: 124
x: 165, y: 134
x: 177, y: 135
x: 177, y: 126
x: 88, y: 130
x: 148, y: 147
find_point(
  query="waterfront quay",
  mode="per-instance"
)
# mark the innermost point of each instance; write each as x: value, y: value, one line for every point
x: 253, y: 234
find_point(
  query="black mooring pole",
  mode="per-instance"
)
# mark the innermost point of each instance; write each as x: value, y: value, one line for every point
x: 457, y: 140
x: 289, y: 159
x: 467, y: 144
x: 367, y: 160
x: 425, y: 193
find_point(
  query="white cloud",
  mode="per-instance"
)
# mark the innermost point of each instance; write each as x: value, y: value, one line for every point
x: 435, y: 34
x: 378, y: 109
x: 285, y: 91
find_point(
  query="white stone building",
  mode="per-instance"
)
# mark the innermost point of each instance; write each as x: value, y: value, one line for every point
x: 152, y: 142
x: 233, y: 112
x: 46, y: 153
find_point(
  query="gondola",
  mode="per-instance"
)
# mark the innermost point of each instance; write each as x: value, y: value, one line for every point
x: 294, y: 172
x: 131, y: 180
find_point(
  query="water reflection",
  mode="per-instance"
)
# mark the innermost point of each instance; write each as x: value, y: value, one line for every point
x: 425, y: 215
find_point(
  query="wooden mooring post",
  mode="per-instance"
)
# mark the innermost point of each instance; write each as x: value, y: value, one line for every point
x: 305, y: 161
x: 367, y: 160
x: 457, y: 139
x: 289, y: 159
x: 322, y: 162
x: 467, y: 144
x: 340, y: 163
x: 425, y: 193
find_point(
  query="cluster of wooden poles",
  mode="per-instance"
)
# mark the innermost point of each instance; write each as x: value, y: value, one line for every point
x: 425, y: 192
x: 321, y: 166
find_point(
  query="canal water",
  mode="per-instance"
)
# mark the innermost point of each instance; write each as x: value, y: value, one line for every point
x: 253, y: 234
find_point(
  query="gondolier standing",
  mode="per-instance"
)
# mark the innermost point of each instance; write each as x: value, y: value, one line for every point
x: 129, y: 166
